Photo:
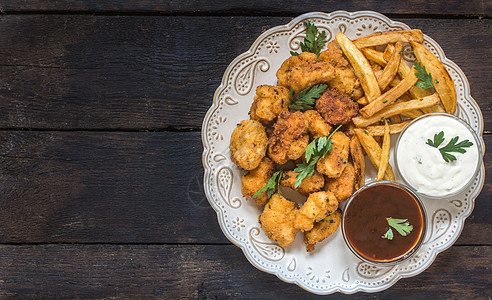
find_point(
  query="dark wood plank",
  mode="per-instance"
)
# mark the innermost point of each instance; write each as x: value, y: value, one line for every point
x: 205, y: 272
x: 135, y: 72
x: 86, y: 187
x: 473, y: 7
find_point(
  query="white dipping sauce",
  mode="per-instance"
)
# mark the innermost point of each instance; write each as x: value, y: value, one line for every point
x: 423, y: 167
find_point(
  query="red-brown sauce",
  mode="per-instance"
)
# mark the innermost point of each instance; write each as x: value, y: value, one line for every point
x: 365, y: 222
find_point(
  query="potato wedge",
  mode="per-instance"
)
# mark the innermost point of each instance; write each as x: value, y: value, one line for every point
x: 374, y: 55
x: 362, y: 68
x: 358, y: 161
x: 391, y: 68
x: 385, y: 152
x: 443, y: 83
x: 390, y: 96
x: 387, y: 37
x: 373, y: 152
x: 397, y: 108
x: 378, y: 130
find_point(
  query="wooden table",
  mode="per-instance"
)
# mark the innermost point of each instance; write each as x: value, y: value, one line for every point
x: 101, y: 106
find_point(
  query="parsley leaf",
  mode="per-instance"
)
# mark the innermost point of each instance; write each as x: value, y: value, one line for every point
x: 315, y: 151
x: 306, y: 98
x: 400, y: 225
x: 425, y: 79
x: 453, y: 147
x: 271, y: 185
x: 438, y: 139
x: 293, y: 53
x: 314, y: 41
x: 450, y: 147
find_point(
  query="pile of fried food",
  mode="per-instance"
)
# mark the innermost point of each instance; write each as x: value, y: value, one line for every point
x: 329, y: 109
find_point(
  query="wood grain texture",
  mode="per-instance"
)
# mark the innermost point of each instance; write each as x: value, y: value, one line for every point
x: 136, y: 187
x: 148, y: 72
x: 435, y: 7
x: 205, y: 272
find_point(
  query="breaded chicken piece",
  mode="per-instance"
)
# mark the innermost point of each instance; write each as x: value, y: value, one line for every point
x: 343, y: 186
x: 256, y: 179
x: 269, y: 102
x: 336, y: 108
x: 317, y: 206
x: 248, y: 144
x: 277, y: 220
x: 303, y: 71
x: 344, y: 80
x: 322, y: 229
x: 333, y: 164
x: 317, y: 126
x: 289, y: 138
x: 308, y: 185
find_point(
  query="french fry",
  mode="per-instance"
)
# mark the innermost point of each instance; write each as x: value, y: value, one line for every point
x: 391, y: 68
x: 388, y: 52
x: 385, y: 152
x: 373, y: 152
x: 395, y: 119
x: 397, y: 108
x: 378, y: 130
x: 359, y: 162
x: 390, y: 96
x: 387, y: 37
x: 443, y: 83
x: 412, y: 114
x: 374, y: 55
x: 362, y: 68
x: 363, y: 101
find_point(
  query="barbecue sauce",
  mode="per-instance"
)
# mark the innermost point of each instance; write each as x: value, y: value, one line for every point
x: 365, y: 222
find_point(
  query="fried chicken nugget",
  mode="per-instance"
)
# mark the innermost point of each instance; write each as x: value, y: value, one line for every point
x: 322, y: 230
x: 343, y: 186
x: 344, y: 80
x: 269, y: 102
x: 336, y: 108
x: 308, y: 185
x: 256, y: 179
x: 303, y: 71
x: 289, y: 138
x: 248, y: 144
x: 277, y: 220
x: 317, y: 126
x: 333, y: 164
x: 317, y: 206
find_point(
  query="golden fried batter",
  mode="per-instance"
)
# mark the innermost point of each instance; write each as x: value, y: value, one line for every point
x: 336, y: 108
x: 269, y: 102
x: 316, y: 207
x: 256, y: 179
x: 333, y: 163
x: 289, y: 138
x: 343, y: 186
x: 277, y: 220
x: 248, y: 144
x: 317, y: 126
x: 308, y: 185
x: 345, y: 80
x: 322, y: 230
x: 303, y: 71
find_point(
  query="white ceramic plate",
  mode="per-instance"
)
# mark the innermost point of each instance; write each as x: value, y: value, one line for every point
x: 331, y: 267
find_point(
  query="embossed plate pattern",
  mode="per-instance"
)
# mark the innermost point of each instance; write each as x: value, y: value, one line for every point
x: 331, y: 267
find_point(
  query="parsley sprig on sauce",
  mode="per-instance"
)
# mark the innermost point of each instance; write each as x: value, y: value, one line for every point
x: 452, y: 146
x: 400, y: 225
x: 314, y: 40
x: 306, y: 98
x: 315, y: 151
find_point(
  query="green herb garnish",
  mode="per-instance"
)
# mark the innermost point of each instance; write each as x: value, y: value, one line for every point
x: 450, y: 147
x: 314, y: 41
x: 315, y: 151
x: 271, y: 185
x: 401, y: 225
x: 306, y: 98
x: 425, y: 79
